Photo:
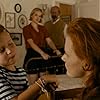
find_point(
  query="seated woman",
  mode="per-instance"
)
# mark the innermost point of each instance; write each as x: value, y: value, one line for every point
x: 13, y: 81
x: 82, y: 55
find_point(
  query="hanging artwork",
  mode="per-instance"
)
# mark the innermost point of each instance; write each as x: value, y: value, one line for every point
x: 66, y: 19
x: 18, y: 8
x: 22, y: 21
x: 9, y: 20
x: 17, y: 38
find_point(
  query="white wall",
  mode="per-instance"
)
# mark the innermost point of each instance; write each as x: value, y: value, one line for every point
x: 89, y: 8
x: 99, y: 9
x: 71, y: 2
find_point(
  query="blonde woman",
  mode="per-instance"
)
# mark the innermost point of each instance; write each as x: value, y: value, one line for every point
x: 36, y: 37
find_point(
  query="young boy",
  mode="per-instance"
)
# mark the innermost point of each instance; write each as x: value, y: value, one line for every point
x: 13, y: 81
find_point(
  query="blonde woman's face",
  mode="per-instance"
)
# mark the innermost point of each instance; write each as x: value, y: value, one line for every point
x: 73, y: 63
x: 36, y: 17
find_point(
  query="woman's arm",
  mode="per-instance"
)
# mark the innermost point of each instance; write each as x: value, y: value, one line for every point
x: 52, y: 46
x: 37, y: 49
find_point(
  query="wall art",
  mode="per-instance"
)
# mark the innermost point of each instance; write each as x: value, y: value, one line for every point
x: 22, y: 21
x: 9, y: 20
x: 17, y: 38
x: 18, y: 8
x: 66, y: 19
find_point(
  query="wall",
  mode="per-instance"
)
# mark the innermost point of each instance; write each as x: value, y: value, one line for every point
x: 27, y: 6
x: 71, y: 2
x: 88, y: 8
x: 99, y: 9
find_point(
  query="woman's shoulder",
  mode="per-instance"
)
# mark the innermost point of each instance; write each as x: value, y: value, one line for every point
x: 27, y: 26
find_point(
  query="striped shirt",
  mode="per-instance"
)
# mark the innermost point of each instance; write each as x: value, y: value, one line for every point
x: 12, y: 83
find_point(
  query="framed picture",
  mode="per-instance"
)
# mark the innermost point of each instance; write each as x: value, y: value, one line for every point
x: 9, y: 20
x: 22, y: 21
x: 66, y: 19
x: 17, y: 38
x: 18, y: 8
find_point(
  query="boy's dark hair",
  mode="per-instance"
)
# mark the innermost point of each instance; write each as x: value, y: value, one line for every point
x: 3, y: 29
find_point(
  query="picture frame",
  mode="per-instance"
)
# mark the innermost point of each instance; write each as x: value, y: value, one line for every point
x: 22, y: 21
x: 18, y: 8
x: 66, y: 19
x: 9, y: 20
x: 17, y: 38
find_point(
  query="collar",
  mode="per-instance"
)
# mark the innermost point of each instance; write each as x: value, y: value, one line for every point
x: 56, y: 20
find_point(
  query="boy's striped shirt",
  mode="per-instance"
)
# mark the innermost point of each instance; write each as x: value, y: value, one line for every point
x: 12, y: 82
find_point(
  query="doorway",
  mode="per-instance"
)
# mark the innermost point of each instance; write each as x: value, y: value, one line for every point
x: 67, y: 12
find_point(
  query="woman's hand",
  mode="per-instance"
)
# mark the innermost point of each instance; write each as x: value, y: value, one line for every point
x: 58, y: 53
x: 45, y: 56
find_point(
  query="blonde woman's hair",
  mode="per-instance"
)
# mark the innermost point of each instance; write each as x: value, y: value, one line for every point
x: 33, y: 11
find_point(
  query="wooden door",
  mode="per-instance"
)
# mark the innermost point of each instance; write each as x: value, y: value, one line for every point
x: 66, y: 12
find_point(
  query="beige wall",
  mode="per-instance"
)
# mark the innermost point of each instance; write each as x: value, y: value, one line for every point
x: 90, y: 9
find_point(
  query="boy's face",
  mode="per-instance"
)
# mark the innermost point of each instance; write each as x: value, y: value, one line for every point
x: 7, y: 50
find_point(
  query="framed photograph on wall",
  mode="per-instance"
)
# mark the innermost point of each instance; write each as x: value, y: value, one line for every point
x: 22, y: 21
x: 17, y: 38
x: 9, y: 20
x: 66, y: 19
x: 18, y: 8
